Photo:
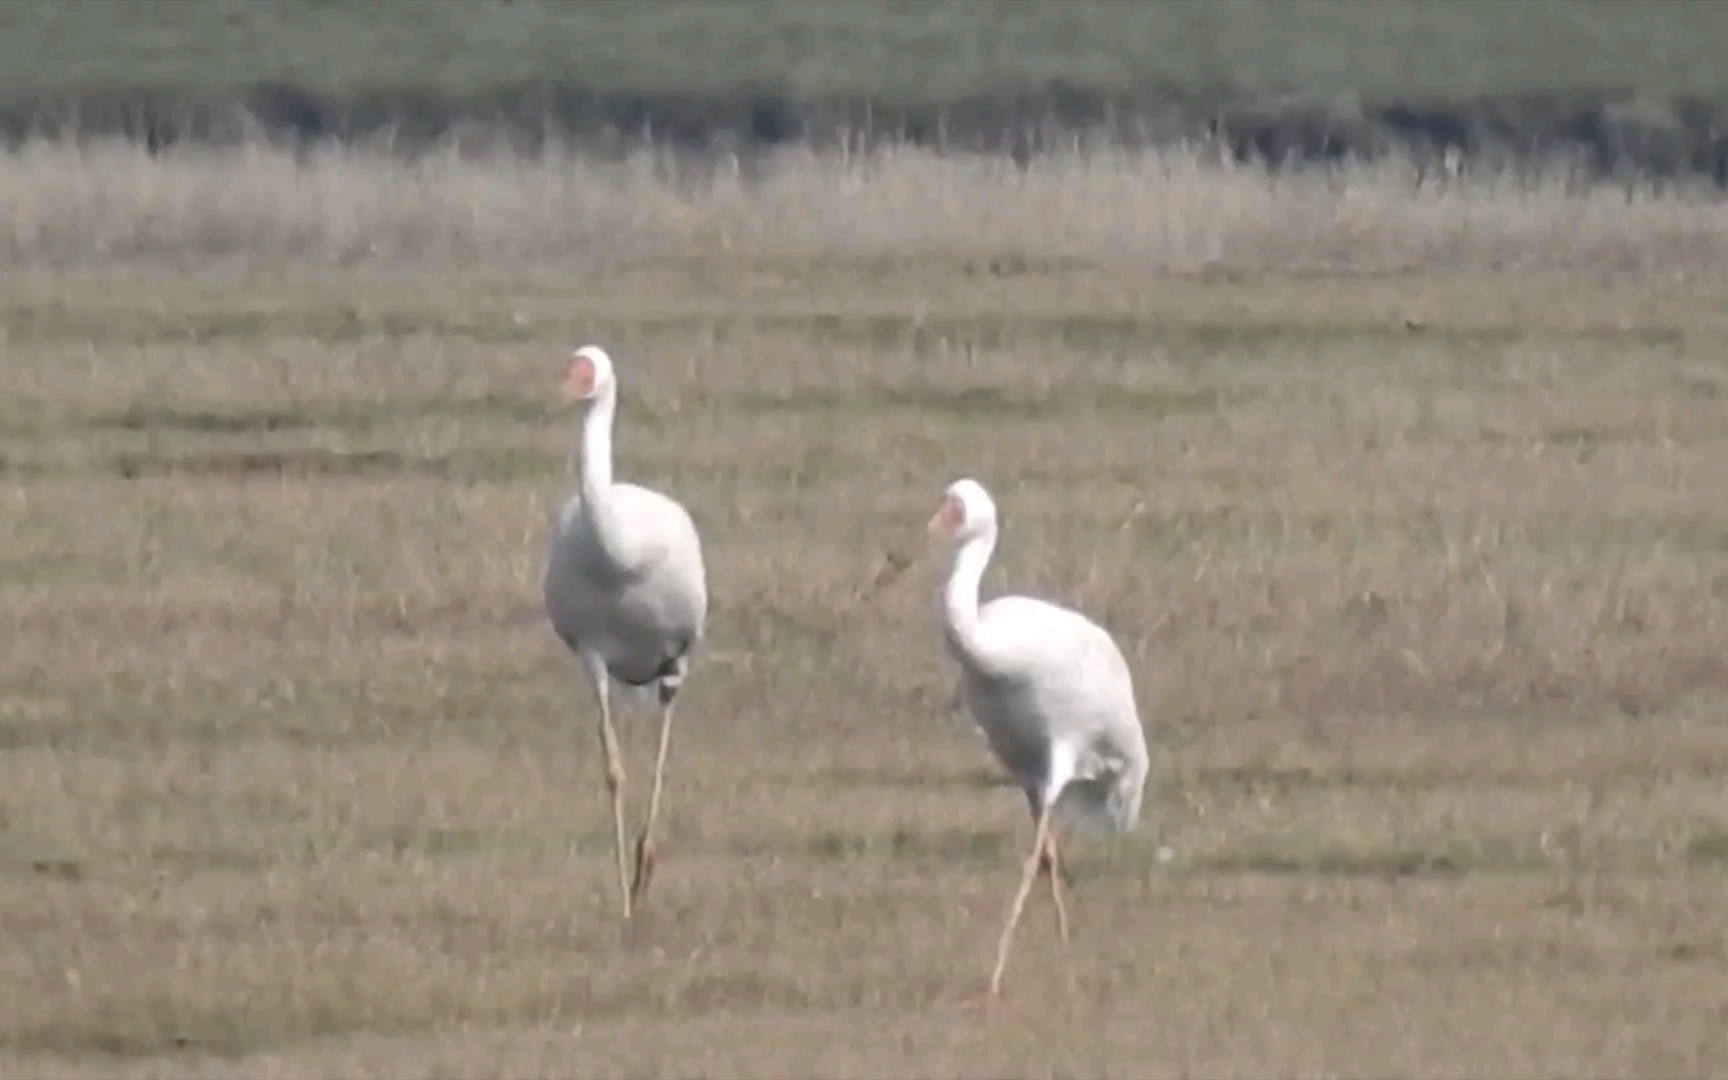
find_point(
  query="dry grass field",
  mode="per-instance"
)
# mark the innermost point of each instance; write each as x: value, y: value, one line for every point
x: 1409, y: 507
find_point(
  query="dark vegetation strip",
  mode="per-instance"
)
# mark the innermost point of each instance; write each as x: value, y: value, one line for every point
x: 1595, y: 134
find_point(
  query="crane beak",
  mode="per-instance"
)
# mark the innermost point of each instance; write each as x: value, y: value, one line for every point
x: 945, y: 522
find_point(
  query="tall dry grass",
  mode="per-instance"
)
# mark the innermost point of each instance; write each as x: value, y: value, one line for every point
x: 1169, y: 212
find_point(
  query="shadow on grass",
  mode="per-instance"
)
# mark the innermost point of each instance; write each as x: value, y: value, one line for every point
x: 886, y: 778
x: 946, y: 845
x: 467, y: 465
x: 992, y: 402
x: 341, y: 995
x: 1391, y: 862
x: 347, y: 417
x: 325, y: 323
x: 1709, y: 848
x: 329, y: 323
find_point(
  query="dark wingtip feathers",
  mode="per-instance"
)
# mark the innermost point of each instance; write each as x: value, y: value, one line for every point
x: 669, y: 675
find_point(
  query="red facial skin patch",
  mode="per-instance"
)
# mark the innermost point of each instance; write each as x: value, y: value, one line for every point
x: 579, y: 383
x: 950, y: 515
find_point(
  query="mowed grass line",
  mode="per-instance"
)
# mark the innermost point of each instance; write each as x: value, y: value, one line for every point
x: 1423, y: 579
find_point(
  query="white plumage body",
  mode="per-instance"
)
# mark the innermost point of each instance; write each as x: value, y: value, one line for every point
x: 1055, y: 682
x: 642, y: 609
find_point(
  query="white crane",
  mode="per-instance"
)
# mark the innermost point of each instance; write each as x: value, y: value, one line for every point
x: 1051, y: 692
x: 626, y: 590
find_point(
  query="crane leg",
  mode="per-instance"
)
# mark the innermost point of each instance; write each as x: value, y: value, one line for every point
x: 614, y: 772
x: 645, y: 842
x: 1049, y: 864
x: 1030, y: 873
x: 1051, y: 867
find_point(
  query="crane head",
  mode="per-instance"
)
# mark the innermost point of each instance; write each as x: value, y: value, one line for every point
x: 589, y: 375
x: 965, y: 511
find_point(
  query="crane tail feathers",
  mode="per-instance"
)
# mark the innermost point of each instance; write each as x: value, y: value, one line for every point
x: 663, y: 685
x: 670, y: 683
x: 1115, y: 809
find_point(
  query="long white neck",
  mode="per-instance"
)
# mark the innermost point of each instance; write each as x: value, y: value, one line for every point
x: 960, y: 597
x: 596, y: 466
x: 595, y: 477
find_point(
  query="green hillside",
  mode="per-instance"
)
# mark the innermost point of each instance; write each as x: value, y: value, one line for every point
x: 697, y: 65
x: 902, y: 51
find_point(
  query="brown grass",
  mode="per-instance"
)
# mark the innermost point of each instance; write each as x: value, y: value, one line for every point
x: 1408, y: 506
